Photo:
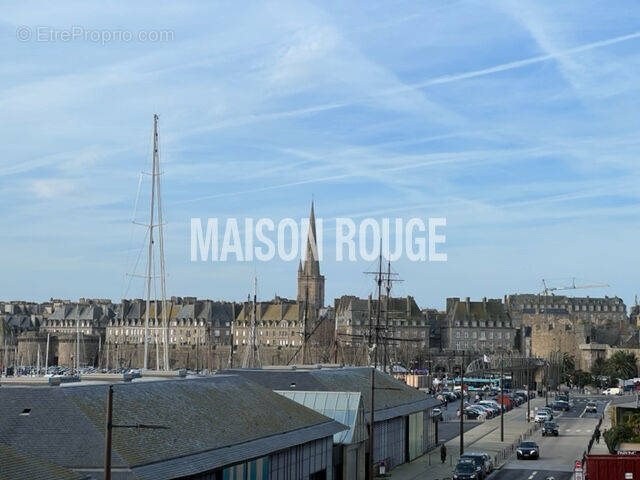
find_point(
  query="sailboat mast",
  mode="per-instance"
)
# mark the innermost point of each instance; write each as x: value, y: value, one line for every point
x: 46, y: 355
x: 254, y: 346
x: 163, y: 284
x: 379, y: 280
x: 150, y: 248
x: 78, y: 344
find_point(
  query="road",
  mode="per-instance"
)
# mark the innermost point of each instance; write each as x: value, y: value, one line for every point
x: 557, y: 454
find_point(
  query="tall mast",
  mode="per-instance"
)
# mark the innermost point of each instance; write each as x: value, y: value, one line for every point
x: 386, y: 314
x: 163, y: 285
x: 78, y: 343
x: 304, y: 326
x: 379, y: 280
x: 150, y: 248
x: 251, y: 357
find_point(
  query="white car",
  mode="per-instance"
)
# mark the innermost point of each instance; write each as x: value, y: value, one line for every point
x: 542, y: 416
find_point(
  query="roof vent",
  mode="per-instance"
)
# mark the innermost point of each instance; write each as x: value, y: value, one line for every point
x: 25, y: 412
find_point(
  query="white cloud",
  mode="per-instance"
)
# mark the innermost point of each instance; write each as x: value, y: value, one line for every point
x: 48, y: 189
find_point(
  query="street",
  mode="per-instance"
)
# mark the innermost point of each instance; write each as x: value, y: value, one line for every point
x: 557, y: 454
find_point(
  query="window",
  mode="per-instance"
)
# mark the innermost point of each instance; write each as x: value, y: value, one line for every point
x: 457, y: 333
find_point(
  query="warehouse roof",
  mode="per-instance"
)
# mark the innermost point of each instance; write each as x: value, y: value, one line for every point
x: 392, y: 397
x: 212, y: 422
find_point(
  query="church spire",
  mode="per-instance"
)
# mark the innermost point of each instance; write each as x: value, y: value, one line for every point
x: 311, y: 263
x: 310, y: 282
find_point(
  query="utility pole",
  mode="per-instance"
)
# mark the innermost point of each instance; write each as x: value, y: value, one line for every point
x: 107, y: 440
x: 528, y: 394
x: 462, y: 405
x: 109, y: 430
x: 502, y: 396
x: 371, y: 425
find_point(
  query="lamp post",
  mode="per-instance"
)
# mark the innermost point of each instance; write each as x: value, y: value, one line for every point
x: 502, y: 396
x: 462, y: 405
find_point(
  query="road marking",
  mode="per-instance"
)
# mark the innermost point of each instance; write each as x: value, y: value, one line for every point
x: 583, y: 412
x: 532, y: 475
x: 578, y: 431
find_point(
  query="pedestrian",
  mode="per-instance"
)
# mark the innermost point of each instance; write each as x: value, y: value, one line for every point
x: 446, y: 403
x: 443, y: 453
x: 597, y: 435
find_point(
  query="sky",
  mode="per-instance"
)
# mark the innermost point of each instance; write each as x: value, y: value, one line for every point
x: 517, y: 121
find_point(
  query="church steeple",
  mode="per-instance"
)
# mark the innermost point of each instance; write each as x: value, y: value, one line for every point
x: 310, y: 282
x: 311, y: 263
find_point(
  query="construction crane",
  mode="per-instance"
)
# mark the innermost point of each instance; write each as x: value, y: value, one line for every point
x: 546, y: 290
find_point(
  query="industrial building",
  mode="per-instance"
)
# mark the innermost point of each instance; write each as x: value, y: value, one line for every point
x: 216, y: 428
x: 403, y: 426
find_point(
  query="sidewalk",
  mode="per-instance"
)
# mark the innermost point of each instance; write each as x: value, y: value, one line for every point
x: 601, y: 448
x: 483, y: 438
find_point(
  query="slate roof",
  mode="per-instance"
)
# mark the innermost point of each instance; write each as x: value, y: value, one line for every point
x: 392, y: 397
x: 18, y: 466
x: 213, y: 422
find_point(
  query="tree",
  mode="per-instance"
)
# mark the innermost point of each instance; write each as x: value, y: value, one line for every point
x: 599, y: 367
x: 568, y: 367
x: 581, y: 378
x: 622, y: 365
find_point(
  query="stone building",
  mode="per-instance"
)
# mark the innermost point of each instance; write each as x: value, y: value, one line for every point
x: 483, y: 327
x: 278, y: 323
x: 191, y: 322
x: 281, y: 322
x: 400, y: 316
x: 584, y: 327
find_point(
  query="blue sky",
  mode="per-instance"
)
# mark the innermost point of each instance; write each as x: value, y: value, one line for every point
x: 515, y: 120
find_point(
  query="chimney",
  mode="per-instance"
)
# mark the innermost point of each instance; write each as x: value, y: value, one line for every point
x: 468, y: 301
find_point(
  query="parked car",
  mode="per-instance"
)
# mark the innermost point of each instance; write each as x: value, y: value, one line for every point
x: 489, y: 413
x: 613, y: 391
x: 437, y: 415
x: 465, y: 471
x: 479, y: 463
x: 471, y: 413
x: 528, y: 450
x: 550, y: 428
x: 591, y: 407
x: 486, y: 458
x: 494, y: 408
x: 549, y: 410
x: 542, y: 416
x: 561, y: 406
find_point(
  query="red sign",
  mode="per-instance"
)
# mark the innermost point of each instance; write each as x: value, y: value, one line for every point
x: 578, y: 465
